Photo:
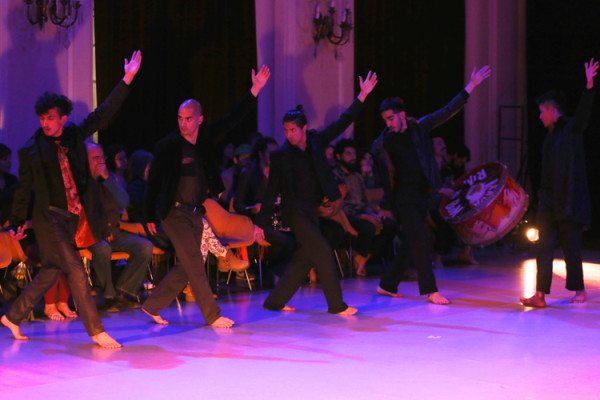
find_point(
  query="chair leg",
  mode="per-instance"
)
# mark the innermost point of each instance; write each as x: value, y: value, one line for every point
x: 339, y: 264
x: 88, y: 272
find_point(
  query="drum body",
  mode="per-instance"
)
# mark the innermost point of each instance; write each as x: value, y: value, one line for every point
x: 486, y: 205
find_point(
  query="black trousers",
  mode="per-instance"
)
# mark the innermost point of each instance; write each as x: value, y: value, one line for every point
x: 415, y: 246
x: 568, y: 234
x: 184, y: 228
x: 280, y: 251
x: 312, y: 249
x: 58, y: 253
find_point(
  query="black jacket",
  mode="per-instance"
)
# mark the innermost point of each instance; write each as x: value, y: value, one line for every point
x: 383, y: 146
x: 281, y: 179
x: 32, y: 169
x: 165, y: 170
x: 564, y: 186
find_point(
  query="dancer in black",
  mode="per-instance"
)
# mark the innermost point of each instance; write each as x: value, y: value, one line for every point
x: 301, y: 174
x: 405, y: 151
x: 563, y: 205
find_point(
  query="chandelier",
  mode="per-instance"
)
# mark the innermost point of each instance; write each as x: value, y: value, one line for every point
x: 62, y: 13
x: 324, y: 26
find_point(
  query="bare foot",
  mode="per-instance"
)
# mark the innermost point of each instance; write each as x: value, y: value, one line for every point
x: 437, y: 298
x: 16, y: 331
x: 313, y: 275
x: 157, y: 318
x: 52, y: 313
x: 537, y: 300
x: 580, y: 297
x: 466, y: 257
x: 105, y: 341
x: 384, y: 292
x: 348, y: 311
x: 287, y: 308
x: 222, y: 322
x: 360, y: 263
x: 67, y: 312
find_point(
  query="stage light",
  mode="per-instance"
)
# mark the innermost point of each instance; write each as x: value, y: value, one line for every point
x: 532, y: 234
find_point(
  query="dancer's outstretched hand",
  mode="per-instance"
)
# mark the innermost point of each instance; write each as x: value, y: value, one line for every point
x: 367, y: 85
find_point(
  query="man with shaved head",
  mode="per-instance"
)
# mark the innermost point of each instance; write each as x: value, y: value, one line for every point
x: 182, y: 175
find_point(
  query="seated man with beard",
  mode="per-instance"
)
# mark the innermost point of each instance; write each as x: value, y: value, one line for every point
x: 374, y: 229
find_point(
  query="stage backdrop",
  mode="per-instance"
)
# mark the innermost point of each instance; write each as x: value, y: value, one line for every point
x: 418, y: 49
x: 199, y: 49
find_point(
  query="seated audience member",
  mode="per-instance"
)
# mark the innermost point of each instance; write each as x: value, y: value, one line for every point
x: 374, y: 229
x: 227, y: 157
x: 116, y: 162
x: 329, y: 154
x: 457, y: 158
x: 58, y: 310
x: 137, y: 177
x: 367, y: 170
x: 444, y: 235
x: 114, y: 198
x: 8, y: 182
x: 248, y: 196
x: 254, y: 137
x: 242, y: 158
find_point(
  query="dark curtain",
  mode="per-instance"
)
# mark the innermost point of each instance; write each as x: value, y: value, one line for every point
x: 202, y: 49
x: 561, y: 37
x: 417, y: 49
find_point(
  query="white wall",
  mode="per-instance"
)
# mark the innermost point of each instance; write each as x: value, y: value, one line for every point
x: 323, y: 84
x: 33, y: 61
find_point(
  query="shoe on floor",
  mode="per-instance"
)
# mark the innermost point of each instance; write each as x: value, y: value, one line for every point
x: 123, y: 302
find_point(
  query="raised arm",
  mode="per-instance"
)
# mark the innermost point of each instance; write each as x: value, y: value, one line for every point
x: 584, y: 108
x: 367, y: 85
x: 132, y: 67
x: 336, y: 128
x: 259, y: 80
x: 477, y: 77
x: 591, y: 69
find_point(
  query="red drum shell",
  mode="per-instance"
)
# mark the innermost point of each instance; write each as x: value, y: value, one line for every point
x: 486, y: 205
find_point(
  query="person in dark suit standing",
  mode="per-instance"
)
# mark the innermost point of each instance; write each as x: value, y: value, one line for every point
x: 67, y: 212
x: 183, y: 173
x: 301, y: 174
x: 404, y: 154
x: 563, y: 200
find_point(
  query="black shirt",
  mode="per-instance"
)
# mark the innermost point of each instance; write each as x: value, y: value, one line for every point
x: 192, y: 186
x: 307, y: 189
x: 410, y: 181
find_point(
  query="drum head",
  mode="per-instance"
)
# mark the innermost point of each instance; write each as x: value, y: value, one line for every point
x: 486, y: 205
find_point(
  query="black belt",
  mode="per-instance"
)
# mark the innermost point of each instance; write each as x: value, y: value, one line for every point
x: 190, y: 208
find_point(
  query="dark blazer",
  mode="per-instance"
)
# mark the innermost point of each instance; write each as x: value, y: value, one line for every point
x: 166, y: 166
x: 383, y: 146
x: 564, y: 186
x: 32, y: 169
x: 281, y: 178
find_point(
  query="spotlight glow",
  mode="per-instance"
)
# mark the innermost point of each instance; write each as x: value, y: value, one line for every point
x: 591, y: 273
x: 532, y: 234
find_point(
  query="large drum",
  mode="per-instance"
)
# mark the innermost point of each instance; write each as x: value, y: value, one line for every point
x: 486, y: 205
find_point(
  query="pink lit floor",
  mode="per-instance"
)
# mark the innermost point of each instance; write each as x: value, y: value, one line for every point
x: 484, y: 346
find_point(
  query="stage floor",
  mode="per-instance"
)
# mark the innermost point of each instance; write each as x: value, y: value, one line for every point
x: 483, y: 346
